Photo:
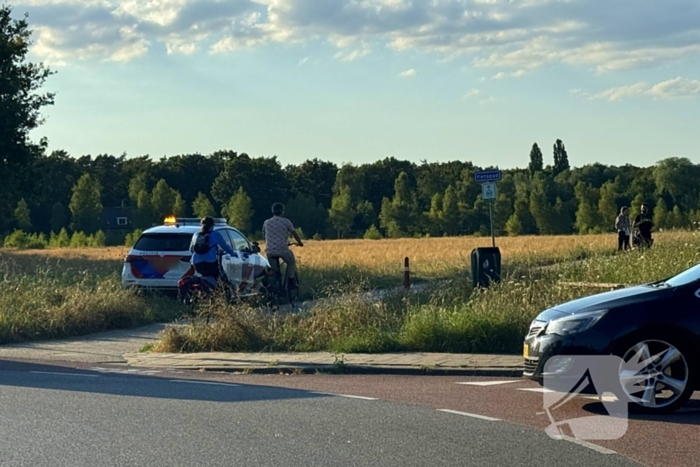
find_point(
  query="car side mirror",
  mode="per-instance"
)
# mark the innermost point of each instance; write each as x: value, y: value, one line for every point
x: 255, y: 247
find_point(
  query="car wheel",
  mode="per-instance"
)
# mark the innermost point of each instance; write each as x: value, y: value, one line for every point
x: 657, y: 373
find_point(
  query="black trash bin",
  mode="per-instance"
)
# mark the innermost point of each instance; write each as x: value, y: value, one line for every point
x: 486, y: 266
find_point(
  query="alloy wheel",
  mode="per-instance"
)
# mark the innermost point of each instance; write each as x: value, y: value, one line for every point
x: 654, y: 374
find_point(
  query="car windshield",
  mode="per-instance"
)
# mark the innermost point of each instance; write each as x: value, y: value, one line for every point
x: 164, y: 242
x: 686, y: 277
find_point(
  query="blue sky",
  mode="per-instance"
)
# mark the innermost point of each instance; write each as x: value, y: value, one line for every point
x: 358, y: 80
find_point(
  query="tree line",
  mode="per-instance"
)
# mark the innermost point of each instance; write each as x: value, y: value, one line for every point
x: 46, y: 192
x: 387, y: 198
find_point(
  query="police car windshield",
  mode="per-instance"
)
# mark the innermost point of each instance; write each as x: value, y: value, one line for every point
x: 164, y: 242
x: 686, y: 277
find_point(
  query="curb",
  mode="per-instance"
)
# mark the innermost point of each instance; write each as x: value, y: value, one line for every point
x: 354, y: 369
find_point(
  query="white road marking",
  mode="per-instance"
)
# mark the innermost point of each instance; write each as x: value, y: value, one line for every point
x: 345, y: 395
x: 125, y: 372
x: 203, y: 382
x: 63, y: 373
x: 586, y: 444
x: 490, y: 383
x: 605, y: 398
x: 542, y: 390
x: 474, y: 415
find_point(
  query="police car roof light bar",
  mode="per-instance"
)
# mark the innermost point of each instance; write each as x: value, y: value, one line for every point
x: 190, y: 221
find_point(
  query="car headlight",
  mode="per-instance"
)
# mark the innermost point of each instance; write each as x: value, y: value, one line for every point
x: 575, y: 323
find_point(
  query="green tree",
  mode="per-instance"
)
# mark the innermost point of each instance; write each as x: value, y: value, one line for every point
x: 23, y: 216
x: 678, y: 176
x: 307, y: 214
x: 502, y: 211
x: 202, y: 207
x: 561, y: 158
x: 144, y: 211
x: 521, y: 210
x: 365, y: 216
x: 20, y: 106
x: 514, y: 226
x: 137, y: 185
x: 239, y: 211
x: 59, y: 219
x: 587, y: 216
x: 163, y: 200
x: 542, y: 211
x: 661, y: 215
x: 372, y: 233
x: 179, y: 206
x: 607, y: 206
x: 536, y: 160
x: 86, y: 205
x: 402, y: 217
x: 386, y: 219
x: 677, y: 219
x: 433, y: 218
x: 451, y: 212
x: 341, y: 214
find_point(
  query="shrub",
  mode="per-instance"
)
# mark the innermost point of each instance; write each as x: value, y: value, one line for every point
x: 62, y: 240
x: 37, y: 241
x: 372, y: 233
x: 132, y: 237
x: 16, y: 239
x: 79, y: 240
x: 98, y: 240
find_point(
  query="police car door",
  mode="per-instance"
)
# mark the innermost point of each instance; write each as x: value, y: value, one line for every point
x: 250, y: 268
x: 230, y: 265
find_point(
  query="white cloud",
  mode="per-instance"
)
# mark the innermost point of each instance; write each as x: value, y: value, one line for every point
x: 499, y: 75
x: 515, y: 36
x: 676, y: 88
x: 352, y: 55
x: 407, y: 73
x: 671, y: 89
x: 472, y: 93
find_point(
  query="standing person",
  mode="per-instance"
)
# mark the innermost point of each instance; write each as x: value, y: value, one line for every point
x: 644, y: 224
x: 624, y: 230
x: 204, y: 249
x: 276, y: 231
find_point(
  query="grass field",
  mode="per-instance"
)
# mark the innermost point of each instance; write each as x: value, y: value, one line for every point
x: 379, y: 263
x: 58, y: 293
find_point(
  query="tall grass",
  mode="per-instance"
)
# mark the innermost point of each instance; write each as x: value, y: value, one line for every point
x: 55, y: 299
x: 448, y: 317
x: 380, y: 263
x: 66, y: 292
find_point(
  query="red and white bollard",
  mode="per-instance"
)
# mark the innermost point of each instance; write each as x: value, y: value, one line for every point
x: 406, y: 274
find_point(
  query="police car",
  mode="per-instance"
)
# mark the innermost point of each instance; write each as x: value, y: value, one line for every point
x: 161, y: 257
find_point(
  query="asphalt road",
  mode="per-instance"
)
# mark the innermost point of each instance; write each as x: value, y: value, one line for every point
x: 83, y: 415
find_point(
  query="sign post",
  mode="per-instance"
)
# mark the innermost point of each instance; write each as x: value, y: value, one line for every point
x: 488, y: 181
x: 486, y: 262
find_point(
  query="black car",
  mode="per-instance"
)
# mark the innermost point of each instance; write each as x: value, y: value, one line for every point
x: 654, y: 328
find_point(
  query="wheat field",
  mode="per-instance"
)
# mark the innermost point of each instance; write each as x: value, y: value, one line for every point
x: 428, y: 257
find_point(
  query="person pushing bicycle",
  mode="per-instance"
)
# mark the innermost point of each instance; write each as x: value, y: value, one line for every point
x: 276, y: 231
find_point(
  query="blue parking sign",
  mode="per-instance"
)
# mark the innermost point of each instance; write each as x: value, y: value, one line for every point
x: 488, y: 176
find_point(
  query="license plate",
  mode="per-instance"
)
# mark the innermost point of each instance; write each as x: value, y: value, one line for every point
x: 526, y: 350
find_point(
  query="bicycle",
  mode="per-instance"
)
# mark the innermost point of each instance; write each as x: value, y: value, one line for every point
x: 289, y: 288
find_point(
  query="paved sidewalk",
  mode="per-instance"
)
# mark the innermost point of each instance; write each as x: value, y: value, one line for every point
x: 123, y: 347
x: 311, y: 362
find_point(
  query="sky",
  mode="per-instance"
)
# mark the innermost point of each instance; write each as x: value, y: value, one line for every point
x: 354, y: 81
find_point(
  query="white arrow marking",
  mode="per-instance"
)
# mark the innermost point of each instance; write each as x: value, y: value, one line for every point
x: 489, y: 383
